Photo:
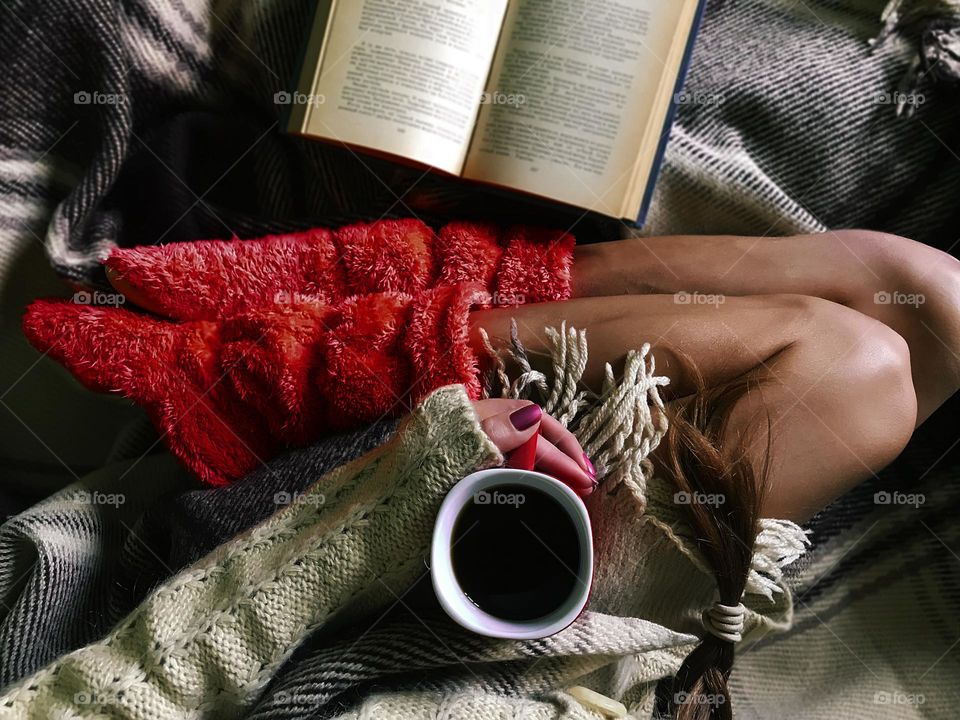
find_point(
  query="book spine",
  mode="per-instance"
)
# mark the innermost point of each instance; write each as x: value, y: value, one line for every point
x: 310, y: 67
x: 668, y: 124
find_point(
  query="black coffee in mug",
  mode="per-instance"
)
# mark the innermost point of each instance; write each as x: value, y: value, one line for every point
x: 515, y: 552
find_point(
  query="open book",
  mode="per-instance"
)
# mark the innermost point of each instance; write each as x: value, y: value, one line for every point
x: 569, y: 100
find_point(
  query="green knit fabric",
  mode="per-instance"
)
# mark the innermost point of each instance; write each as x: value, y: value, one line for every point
x: 207, y: 642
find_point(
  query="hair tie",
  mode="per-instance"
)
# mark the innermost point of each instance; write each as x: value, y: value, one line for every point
x: 725, y: 621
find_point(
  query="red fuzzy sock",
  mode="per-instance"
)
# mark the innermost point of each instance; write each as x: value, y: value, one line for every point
x: 229, y: 394
x: 221, y: 278
x: 214, y: 279
x: 535, y: 267
x: 469, y: 252
x: 173, y: 370
x: 272, y: 363
x: 281, y: 339
x: 387, y: 256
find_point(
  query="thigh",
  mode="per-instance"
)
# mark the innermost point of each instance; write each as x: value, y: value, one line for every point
x: 912, y: 288
x: 836, y: 388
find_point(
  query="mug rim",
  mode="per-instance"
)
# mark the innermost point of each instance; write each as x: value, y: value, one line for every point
x: 451, y: 596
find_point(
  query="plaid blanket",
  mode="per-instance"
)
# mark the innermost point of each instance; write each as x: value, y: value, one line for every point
x: 146, y: 121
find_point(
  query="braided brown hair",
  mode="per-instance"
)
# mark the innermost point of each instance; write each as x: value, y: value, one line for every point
x: 697, y: 457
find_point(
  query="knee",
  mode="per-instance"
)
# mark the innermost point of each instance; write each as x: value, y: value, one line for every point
x: 905, y: 266
x: 875, y: 247
x: 915, y: 287
x: 860, y: 372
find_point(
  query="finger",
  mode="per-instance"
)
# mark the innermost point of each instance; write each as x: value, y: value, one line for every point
x: 567, y: 443
x: 509, y: 430
x: 495, y: 406
x: 556, y: 463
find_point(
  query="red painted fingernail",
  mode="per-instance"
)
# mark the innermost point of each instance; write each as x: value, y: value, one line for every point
x: 578, y: 481
x: 526, y: 417
x: 590, y: 468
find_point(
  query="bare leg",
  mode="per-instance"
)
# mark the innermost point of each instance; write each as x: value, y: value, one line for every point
x: 876, y: 274
x: 839, y: 392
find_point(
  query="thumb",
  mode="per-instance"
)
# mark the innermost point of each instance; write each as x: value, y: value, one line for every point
x: 510, y: 429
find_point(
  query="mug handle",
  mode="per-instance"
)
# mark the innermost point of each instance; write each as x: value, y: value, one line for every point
x: 524, y: 457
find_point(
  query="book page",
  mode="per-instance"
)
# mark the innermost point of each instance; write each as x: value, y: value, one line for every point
x: 584, y: 77
x: 406, y: 76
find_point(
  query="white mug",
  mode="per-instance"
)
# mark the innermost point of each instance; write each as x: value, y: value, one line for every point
x: 455, y: 601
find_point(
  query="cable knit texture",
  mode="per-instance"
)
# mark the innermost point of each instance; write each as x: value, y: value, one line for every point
x: 276, y: 341
x: 209, y: 640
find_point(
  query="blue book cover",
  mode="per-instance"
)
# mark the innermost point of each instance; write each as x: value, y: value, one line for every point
x: 668, y: 124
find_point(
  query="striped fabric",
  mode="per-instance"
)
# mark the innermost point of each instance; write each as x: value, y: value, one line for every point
x: 73, y: 565
x: 59, y: 582
x: 148, y: 121
x: 788, y: 125
x: 876, y: 604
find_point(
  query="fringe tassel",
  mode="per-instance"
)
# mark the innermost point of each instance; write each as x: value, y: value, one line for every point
x: 780, y: 543
x: 934, y: 27
x: 619, y: 429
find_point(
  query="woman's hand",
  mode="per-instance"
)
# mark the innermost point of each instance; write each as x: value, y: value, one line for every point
x: 510, y: 423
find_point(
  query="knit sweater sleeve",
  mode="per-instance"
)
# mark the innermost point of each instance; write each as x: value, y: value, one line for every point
x: 208, y: 641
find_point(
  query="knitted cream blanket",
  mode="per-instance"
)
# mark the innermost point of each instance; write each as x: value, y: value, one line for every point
x: 207, y: 642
